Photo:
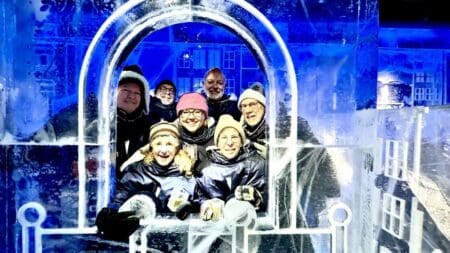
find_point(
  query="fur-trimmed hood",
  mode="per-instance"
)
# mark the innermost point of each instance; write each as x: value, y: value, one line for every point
x: 134, y: 73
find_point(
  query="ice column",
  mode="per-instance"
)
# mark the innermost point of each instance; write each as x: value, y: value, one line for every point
x: 2, y: 111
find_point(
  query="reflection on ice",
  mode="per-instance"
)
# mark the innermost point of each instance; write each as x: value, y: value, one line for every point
x: 30, y: 100
x: 344, y: 170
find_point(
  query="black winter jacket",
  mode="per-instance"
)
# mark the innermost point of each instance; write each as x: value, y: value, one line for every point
x: 226, y: 105
x: 201, y: 139
x: 153, y: 180
x: 258, y: 133
x: 133, y: 129
x: 160, y: 111
x: 220, y: 176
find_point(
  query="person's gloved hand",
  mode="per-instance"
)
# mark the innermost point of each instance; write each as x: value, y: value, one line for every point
x: 212, y: 209
x: 116, y: 225
x: 184, y: 163
x: 248, y: 193
x: 179, y: 203
x: 261, y: 148
x: 142, y: 204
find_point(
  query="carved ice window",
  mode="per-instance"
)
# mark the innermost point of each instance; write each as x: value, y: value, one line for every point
x: 213, y: 58
x: 230, y: 87
x: 393, y: 215
x: 199, y: 58
x: 229, y: 60
x: 396, y: 159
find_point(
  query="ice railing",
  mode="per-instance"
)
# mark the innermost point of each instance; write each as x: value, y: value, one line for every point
x: 428, y: 178
x: 241, y: 236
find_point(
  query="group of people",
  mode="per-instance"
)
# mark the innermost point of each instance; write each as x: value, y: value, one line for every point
x: 191, y: 156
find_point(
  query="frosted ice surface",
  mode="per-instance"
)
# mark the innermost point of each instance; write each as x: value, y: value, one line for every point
x: 341, y: 156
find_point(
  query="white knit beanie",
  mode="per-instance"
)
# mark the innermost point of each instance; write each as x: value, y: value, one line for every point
x: 254, y: 94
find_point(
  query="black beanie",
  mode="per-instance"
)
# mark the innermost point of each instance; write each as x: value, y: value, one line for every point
x: 166, y: 82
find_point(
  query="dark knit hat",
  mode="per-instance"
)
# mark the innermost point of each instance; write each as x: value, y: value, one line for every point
x: 133, y: 73
x: 166, y: 82
x: 192, y: 101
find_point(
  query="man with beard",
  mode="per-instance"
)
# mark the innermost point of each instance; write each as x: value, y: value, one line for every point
x: 163, y: 105
x: 158, y: 184
x: 214, y: 84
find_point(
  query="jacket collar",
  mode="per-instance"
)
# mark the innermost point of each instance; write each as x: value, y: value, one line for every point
x: 216, y: 157
x: 257, y: 132
x: 129, y: 117
x: 163, y: 171
x: 202, y: 136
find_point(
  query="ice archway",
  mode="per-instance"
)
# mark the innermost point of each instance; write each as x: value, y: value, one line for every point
x: 135, y: 18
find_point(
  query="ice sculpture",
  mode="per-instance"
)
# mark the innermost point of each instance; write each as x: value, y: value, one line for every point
x: 316, y: 59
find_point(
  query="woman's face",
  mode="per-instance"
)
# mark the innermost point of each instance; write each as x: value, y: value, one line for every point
x: 129, y: 97
x: 192, y: 119
x: 229, y: 142
x: 164, y: 147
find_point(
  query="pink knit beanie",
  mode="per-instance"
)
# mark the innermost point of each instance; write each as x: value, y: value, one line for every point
x: 192, y: 101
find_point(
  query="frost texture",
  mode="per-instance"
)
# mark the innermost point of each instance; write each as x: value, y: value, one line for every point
x: 366, y: 159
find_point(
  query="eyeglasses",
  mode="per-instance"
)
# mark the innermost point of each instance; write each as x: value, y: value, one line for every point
x: 166, y: 90
x: 128, y: 92
x: 195, y: 112
x: 250, y: 106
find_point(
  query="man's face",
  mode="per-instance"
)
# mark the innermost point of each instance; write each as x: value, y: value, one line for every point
x: 165, y: 92
x: 164, y: 147
x: 229, y: 143
x: 129, y: 97
x: 253, y: 111
x: 214, y: 85
x: 192, y: 119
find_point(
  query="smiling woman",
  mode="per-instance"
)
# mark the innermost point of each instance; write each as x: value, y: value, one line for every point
x: 163, y: 177
x: 230, y: 171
